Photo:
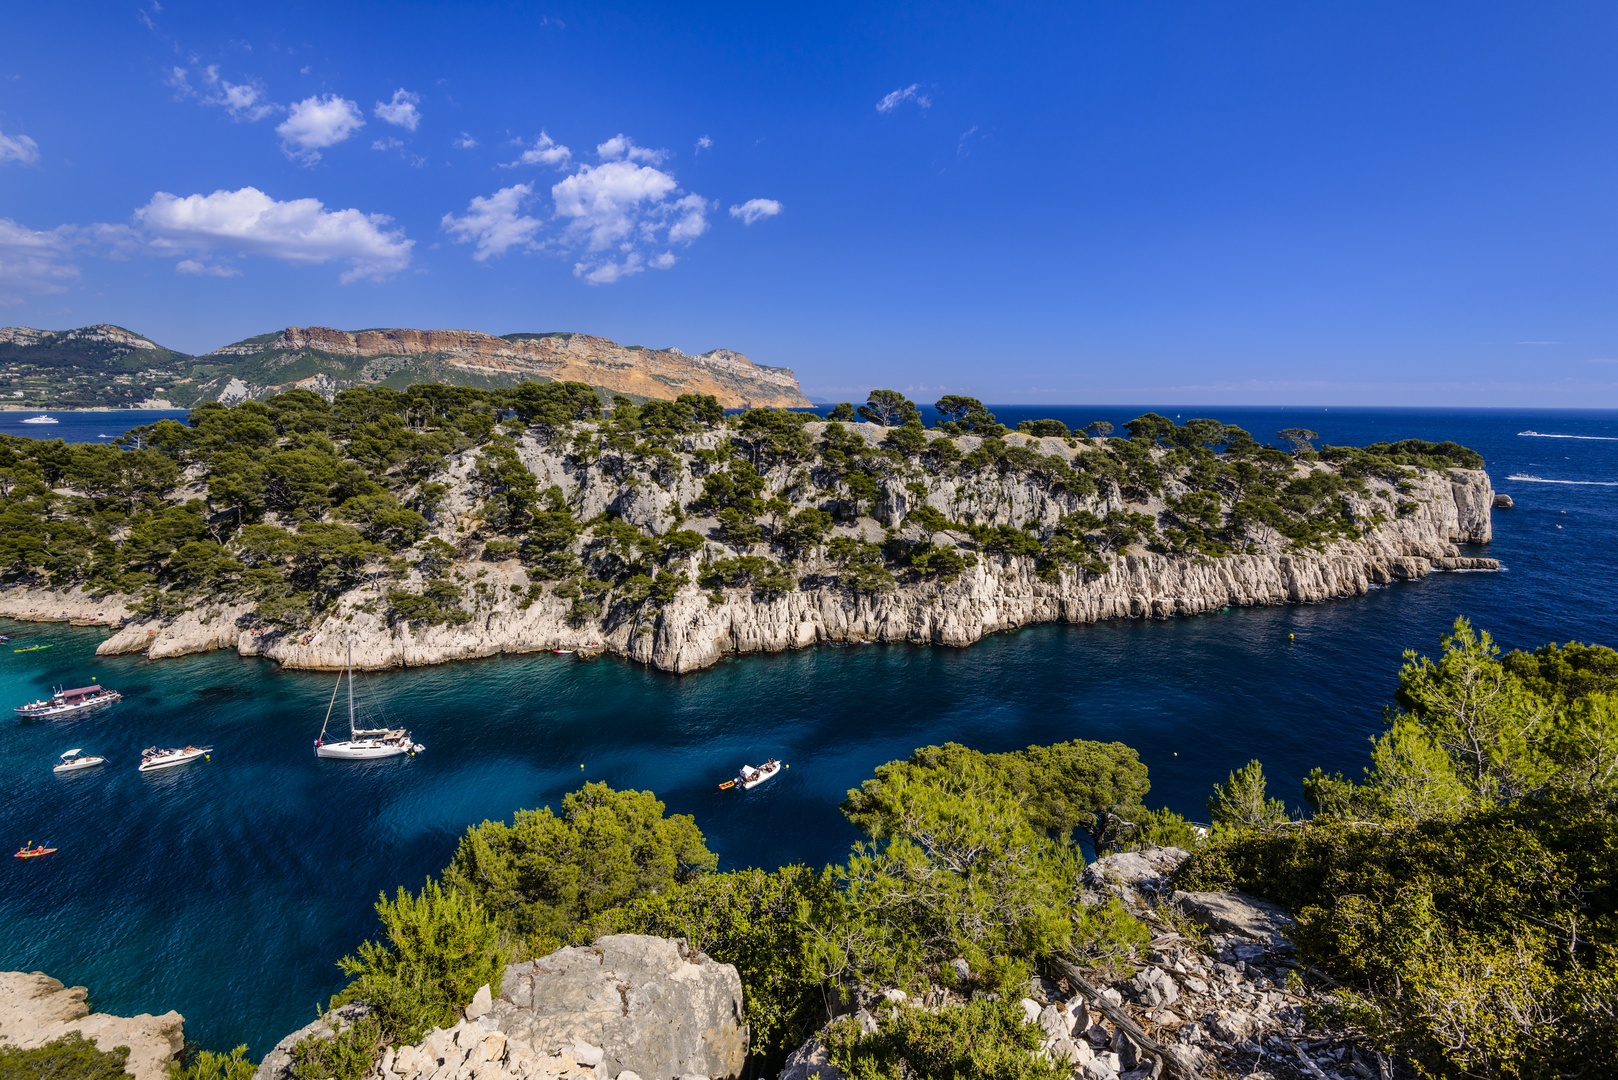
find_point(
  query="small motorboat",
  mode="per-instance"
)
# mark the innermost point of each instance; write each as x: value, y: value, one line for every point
x: 751, y: 778
x: 67, y: 702
x: 154, y: 758
x: 30, y: 850
x: 42, y: 418
x: 71, y: 762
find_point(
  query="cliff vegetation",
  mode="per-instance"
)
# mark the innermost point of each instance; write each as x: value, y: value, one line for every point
x: 671, y: 531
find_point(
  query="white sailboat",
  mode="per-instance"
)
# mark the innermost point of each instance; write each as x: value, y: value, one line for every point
x: 362, y: 744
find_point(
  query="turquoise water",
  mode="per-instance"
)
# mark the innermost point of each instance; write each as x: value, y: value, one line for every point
x: 226, y: 889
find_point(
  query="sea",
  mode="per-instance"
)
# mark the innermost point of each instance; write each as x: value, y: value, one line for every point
x: 227, y: 889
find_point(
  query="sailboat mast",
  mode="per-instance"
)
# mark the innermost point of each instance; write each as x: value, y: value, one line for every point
x: 350, y: 691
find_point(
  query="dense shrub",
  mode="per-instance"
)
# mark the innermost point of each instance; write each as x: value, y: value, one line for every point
x: 72, y: 1057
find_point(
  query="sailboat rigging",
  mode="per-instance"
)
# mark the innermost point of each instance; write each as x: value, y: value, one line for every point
x: 362, y: 743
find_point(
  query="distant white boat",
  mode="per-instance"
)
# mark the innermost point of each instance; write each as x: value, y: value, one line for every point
x: 71, y: 762
x: 42, y: 419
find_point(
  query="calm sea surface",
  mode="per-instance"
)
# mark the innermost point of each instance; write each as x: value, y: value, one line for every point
x: 228, y: 888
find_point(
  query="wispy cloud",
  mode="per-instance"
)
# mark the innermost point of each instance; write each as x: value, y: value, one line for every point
x: 755, y: 209
x: 401, y: 111
x: 465, y: 142
x: 34, y: 263
x: 545, y: 151
x: 623, y: 148
x: 495, y: 223
x: 242, y: 101
x: 703, y: 143
x: 18, y: 150
x: 898, y: 97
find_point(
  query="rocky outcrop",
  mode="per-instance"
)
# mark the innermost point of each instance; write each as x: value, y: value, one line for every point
x: 1437, y: 510
x: 104, y: 333
x: 654, y: 373
x: 36, y: 1009
x: 629, y: 1007
x: 1224, y: 1004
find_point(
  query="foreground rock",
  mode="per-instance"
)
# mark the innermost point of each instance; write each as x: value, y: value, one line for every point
x: 629, y: 1007
x: 36, y: 1009
x: 1227, y: 1004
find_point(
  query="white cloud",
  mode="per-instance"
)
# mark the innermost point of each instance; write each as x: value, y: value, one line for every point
x: 243, y: 101
x: 318, y: 122
x: 621, y: 216
x: 704, y: 143
x: 899, y: 97
x: 545, y: 151
x: 622, y: 148
x: 389, y: 143
x: 465, y: 142
x: 193, y: 267
x: 18, y: 149
x: 298, y: 231
x: 495, y: 222
x: 401, y: 111
x: 34, y: 263
x: 755, y: 209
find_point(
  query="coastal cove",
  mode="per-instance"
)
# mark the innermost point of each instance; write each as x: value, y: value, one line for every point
x: 227, y: 890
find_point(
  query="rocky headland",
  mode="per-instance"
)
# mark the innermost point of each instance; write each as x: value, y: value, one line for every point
x: 653, y: 594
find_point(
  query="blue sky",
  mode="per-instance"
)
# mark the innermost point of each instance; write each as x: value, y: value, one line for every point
x: 1199, y: 203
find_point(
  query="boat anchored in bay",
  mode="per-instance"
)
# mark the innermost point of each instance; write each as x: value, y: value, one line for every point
x: 362, y: 744
x: 68, y: 702
x: 750, y: 777
x: 155, y: 758
x: 72, y: 763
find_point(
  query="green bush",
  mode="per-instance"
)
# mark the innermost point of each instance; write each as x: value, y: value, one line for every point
x: 350, y: 1056
x: 981, y: 1040
x: 437, y: 948
x: 548, y: 879
x: 207, y: 1065
x: 72, y: 1057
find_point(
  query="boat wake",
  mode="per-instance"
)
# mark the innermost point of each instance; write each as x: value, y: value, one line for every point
x: 1577, y: 483
x: 1547, y: 435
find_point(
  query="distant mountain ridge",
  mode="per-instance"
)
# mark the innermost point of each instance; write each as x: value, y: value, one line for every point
x: 109, y: 366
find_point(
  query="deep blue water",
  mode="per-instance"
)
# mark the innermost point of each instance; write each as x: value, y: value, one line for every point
x: 228, y: 888
x: 82, y: 426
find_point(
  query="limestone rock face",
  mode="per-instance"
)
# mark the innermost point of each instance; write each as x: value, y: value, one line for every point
x: 1138, y: 878
x: 1407, y: 535
x: 36, y: 1009
x: 656, y: 373
x: 652, y: 1007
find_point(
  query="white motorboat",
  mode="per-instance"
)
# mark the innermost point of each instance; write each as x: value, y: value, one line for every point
x: 67, y: 702
x: 154, y: 758
x: 42, y: 419
x: 71, y: 762
x: 362, y: 744
x: 751, y: 778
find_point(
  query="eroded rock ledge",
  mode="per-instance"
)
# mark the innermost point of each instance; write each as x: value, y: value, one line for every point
x: 36, y: 1009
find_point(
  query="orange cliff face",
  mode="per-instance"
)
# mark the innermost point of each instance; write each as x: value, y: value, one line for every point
x: 654, y: 373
